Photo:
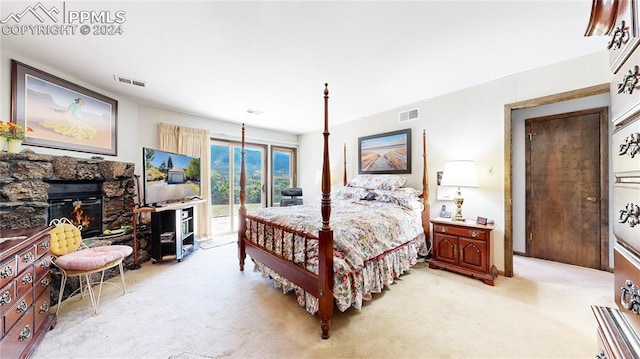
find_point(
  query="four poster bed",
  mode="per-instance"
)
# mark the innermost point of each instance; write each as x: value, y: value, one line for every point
x: 379, y: 227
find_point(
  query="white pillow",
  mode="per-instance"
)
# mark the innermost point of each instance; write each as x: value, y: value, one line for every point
x: 388, y: 182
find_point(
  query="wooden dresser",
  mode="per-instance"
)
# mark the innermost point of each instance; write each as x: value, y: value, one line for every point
x: 619, y: 327
x: 25, y: 282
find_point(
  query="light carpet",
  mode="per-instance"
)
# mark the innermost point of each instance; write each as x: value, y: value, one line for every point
x: 206, y: 306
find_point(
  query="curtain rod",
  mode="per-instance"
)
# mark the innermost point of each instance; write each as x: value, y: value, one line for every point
x: 226, y: 136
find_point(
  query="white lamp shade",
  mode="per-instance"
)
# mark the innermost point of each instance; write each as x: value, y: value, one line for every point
x: 459, y: 174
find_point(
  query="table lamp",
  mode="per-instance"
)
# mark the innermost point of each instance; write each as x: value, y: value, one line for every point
x: 459, y: 174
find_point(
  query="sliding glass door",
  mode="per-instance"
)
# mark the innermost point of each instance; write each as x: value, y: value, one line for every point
x: 225, y: 182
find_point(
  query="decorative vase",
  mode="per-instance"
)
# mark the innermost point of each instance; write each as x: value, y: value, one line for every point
x: 3, y: 140
x: 13, y: 145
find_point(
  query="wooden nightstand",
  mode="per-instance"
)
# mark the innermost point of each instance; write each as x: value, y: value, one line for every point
x: 463, y: 247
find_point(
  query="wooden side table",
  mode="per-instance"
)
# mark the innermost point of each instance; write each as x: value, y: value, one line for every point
x: 463, y: 247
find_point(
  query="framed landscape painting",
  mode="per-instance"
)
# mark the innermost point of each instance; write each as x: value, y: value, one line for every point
x: 385, y: 153
x: 61, y: 114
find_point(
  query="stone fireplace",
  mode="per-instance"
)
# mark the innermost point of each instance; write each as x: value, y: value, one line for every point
x: 36, y: 188
x: 29, y: 181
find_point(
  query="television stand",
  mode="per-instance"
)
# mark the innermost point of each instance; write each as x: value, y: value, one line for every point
x: 173, y: 229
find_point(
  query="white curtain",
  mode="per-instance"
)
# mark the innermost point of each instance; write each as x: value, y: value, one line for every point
x: 192, y: 142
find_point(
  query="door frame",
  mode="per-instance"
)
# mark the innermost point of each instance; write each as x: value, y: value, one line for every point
x: 508, y: 158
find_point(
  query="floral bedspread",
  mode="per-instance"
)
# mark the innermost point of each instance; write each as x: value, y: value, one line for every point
x: 363, y: 231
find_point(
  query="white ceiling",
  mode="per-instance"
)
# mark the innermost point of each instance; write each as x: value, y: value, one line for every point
x: 218, y: 59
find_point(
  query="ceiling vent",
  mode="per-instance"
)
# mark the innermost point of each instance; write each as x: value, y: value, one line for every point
x: 409, y: 115
x: 129, y: 81
x: 254, y: 112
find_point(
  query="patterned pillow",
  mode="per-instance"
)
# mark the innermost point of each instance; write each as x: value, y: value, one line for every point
x: 405, y: 197
x: 348, y: 193
x: 388, y: 182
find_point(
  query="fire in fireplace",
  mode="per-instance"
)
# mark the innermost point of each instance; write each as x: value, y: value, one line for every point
x: 80, y: 202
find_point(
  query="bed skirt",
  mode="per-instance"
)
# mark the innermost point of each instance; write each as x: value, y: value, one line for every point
x: 350, y: 289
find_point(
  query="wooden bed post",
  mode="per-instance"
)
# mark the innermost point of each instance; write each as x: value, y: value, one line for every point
x: 344, y: 165
x: 325, y: 246
x: 425, y: 191
x: 242, y: 212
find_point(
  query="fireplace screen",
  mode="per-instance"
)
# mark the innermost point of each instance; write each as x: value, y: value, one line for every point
x: 80, y: 203
x: 85, y: 213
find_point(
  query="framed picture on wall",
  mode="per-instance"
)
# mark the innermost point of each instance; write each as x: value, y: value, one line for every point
x: 385, y: 153
x: 61, y: 114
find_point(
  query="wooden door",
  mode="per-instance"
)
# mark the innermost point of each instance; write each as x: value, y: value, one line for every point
x: 566, y: 179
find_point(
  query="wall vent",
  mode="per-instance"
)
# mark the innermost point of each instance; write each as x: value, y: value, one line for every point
x: 409, y: 115
x: 129, y: 81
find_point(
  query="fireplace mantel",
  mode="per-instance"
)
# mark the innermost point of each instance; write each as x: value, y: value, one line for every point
x: 24, y: 187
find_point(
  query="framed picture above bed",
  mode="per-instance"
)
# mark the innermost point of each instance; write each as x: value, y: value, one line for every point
x: 385, y: 153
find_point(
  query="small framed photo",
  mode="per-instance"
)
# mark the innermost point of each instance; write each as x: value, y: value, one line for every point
x: 481, y: 220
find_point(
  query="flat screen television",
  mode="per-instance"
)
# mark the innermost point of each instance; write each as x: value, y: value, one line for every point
x: 169, y: 177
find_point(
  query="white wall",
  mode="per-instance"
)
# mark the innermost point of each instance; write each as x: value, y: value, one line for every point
x: 137, y: 124
x: 467, y: 124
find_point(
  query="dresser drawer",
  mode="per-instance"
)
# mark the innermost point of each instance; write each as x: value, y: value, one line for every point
x: 7, y: 296
x: 17, y: 339
x: 41, y: 307
x: 18, y: 309
x: 625, y: 90
x: 457, y: 231
x: 43, y: 282
x: 25, y: 280
x: 42, y: 246
x: 626, y: 201
x: 8, y: 271
x: 625, y: 150
x: 42, y: 265
x: 627, y: 269
x: 26, y: 258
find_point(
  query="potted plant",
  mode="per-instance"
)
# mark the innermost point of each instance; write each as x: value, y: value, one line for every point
x: 13, y: 134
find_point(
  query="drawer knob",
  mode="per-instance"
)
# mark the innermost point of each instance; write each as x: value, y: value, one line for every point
x: 474, y: 234
x: 620, y: 36
x: 25, y: 333
x: 22, y: 307
x: 44, y: 307
x: 629, y: 81
x: 27, y: 279
x: 28, y: 258
x: 630, y: 146
x: 629, y: 298
x: 443, y: 229
x: 5, y: 298
x: 630, y: 214
x: 6, y: 272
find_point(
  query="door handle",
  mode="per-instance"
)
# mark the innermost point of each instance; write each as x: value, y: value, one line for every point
x: 591, y: 199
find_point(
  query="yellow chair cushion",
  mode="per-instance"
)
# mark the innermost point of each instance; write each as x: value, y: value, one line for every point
x: 65, y: 238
